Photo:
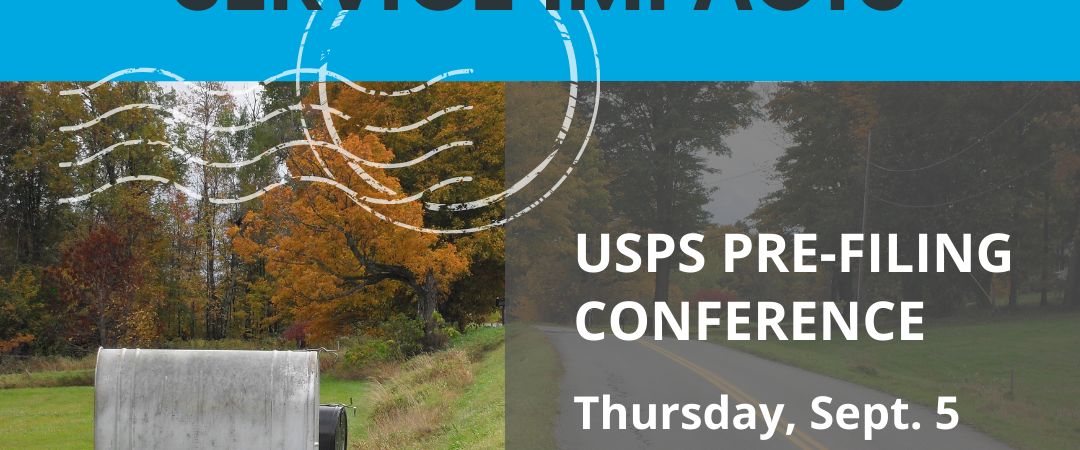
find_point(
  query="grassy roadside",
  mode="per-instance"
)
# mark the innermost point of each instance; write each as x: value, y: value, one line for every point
x: 83, y: 377
x: 972, y: 361
x: 448, y: 400
x: 452, y: 399
x: 533, y: 372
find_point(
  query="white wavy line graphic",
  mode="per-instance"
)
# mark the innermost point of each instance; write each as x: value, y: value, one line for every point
x: 422, y: 157
x: 163, y: 72
x: 340, y: 18
x: 101, y: 153
x: 420, y: 123
x: 326, y: 110
x: 354, y: 195
x: 109, y: 114
x: 226, y: 201
x: 494, y: 198
x: 84, y: 197
x: 190, y: 192
x: 357, y: 87
x: 122, y: 180
x: 558, y: 142
x: 332, y: 131
x: 303, y: 42
x: 238, y: 164
x: 422, y: 86
x: 258, y: 87
x: 325, y: 101
x: 180, y: 116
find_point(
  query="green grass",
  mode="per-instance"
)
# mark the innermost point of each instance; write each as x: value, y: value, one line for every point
x: 1030, y: 300
x: 332, y: 390
x: 47, y: 418
x: 972, y: 361
x: 455, y: 397
x: 533, y: 374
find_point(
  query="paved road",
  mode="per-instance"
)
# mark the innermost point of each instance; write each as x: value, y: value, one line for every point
x: 671, y: 371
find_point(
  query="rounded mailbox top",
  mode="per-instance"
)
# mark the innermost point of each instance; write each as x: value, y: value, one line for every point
x: 206, y: 399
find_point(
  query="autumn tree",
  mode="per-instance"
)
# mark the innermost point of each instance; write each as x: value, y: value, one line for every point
x: 104, y: 280
x: 337, y: 262
x: 472, y: 295
x: 249, y: 285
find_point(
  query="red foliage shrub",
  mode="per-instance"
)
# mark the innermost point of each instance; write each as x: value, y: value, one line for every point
x: 298, y: 332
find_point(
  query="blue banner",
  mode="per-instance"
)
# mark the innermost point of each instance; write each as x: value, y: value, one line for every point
x: 917, y: 40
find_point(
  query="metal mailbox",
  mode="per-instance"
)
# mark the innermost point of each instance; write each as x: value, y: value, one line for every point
x: 206, y: 399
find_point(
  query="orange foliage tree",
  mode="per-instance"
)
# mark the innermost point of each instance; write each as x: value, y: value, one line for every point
x: 470, y: 297
x: 334, y: 261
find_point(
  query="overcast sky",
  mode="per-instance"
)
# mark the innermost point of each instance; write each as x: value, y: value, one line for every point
x: 753, y: 149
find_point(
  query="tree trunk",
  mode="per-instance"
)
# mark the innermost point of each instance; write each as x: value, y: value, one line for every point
x: 665, y: 211
x: 1072, y: 281
x: 991, y: 299
x: 1014, y: 279
x: 102, y: 319
x: 842, y: 288
x: 1043, y: 300
x: 590, y: 290
x: 1014, y: 276
x: 103, y: 332
x: 428, y: 300
x: 663, y: 281
x: 211, y: 281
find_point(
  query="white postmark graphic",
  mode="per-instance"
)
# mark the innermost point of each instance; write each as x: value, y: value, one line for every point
x: 355, y: 163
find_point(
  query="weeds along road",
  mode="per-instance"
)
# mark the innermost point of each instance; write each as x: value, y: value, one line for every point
x: 693, y: 372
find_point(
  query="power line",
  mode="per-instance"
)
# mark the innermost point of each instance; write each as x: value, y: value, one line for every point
x: 968, y: 197
x: 739, y: 202
x: 1022, y: 108
x: 865, y: 217
x: 736, y: 176
x: 913, y: 122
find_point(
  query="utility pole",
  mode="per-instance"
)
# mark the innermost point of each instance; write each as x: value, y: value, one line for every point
x: 865, y: 217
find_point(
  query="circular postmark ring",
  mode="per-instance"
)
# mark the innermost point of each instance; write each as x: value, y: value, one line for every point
x: 328, y: 119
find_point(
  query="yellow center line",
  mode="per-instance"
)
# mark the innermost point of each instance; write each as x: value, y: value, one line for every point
x: 738, y: 394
